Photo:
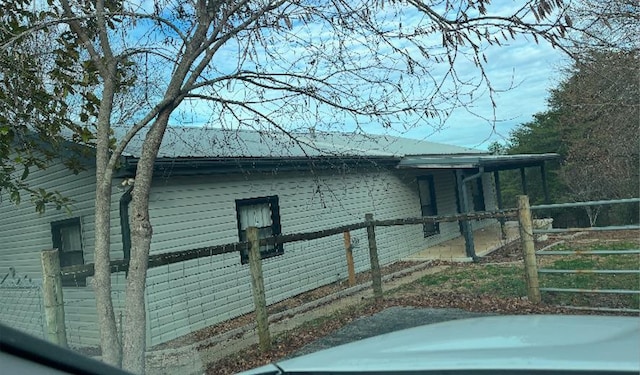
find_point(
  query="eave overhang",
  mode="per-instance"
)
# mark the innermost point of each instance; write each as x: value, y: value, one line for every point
x: 193, y: 166
x: 488, y: 162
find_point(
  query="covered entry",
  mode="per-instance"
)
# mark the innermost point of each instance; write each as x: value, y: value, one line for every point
x: 469, y: 170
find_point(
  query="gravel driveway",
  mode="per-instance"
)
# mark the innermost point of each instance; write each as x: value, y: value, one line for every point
x: 389, y: 320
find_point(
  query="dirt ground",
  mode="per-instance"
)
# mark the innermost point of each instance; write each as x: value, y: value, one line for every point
x: 408, y: 307
x: 407, y: 300
x: 288, y: 304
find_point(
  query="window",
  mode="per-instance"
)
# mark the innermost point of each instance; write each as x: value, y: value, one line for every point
x: 427, y: 191
x: 67, y: 238
x: 263, y: 213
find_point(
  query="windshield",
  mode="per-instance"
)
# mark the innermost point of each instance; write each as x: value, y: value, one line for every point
x: 214, y: 186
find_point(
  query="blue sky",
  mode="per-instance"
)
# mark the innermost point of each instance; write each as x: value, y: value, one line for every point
x: 521, y: 70
x: 532, y: 68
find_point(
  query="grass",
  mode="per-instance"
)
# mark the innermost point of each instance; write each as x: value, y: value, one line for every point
x: 499, y: 280
x: 508, y: 280
x: 593, y: 281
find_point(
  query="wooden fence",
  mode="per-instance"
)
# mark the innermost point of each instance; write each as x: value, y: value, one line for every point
x: 55, y: 313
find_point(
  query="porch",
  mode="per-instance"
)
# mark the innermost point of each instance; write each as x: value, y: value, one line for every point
x: 485, y: 240
x: 469, y: 171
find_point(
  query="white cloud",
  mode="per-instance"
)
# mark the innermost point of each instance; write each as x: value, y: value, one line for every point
x: 529, y: 68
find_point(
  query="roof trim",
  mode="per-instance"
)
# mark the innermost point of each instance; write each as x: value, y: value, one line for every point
x: 190, y: 166
x: 488, y: 162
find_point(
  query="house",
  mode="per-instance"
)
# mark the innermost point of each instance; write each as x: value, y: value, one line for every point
x: 211, y: 184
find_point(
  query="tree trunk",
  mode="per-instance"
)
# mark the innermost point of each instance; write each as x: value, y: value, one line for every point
x: 111, y: 349
x: 109, y: 343
x: 134, y: 332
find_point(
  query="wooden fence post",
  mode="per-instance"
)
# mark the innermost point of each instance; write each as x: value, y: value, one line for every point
x: 528, y: 247
x: 376, y: 276
x: 257, y: 282
x: 52, y: 295
x: 349, y: 253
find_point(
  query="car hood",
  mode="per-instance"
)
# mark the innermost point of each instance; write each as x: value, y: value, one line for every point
x: 539, y: 342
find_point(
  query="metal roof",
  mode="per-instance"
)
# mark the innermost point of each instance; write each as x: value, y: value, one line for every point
x: 199, y: 142
x: 197, y: 150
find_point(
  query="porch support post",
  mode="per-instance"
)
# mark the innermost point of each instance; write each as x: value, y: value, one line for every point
x: 545, y: 187
x: 523, y: 179
x: 496, y: 177
x: 467, y: 231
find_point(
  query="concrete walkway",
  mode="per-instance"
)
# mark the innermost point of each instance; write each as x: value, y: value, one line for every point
x: 485, y: 241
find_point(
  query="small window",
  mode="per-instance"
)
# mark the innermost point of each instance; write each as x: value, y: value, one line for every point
x: 264, y: 214
x: 67, y: 238
x: 427, y: 191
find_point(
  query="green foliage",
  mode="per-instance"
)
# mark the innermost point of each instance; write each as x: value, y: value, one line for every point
x: 538, y: 136
x: 37, y: 99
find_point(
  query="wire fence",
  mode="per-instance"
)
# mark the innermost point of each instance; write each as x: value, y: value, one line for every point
x: 21, y: 303
x: 80, y: 316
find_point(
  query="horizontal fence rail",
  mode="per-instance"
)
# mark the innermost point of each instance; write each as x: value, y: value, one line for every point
x: 587, y: 252
x: 599, y: 291
x: 585, y: 204
x: 451, y: 218
x: 157, y: 260
x: 546, y: 270
x: 588, y: 229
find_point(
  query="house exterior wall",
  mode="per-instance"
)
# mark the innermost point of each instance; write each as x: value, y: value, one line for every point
x: 25, y: 233
x: 193, y: 212
x: 189, y: 213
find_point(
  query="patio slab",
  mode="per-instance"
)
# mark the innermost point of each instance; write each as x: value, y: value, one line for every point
x: 486, y: 240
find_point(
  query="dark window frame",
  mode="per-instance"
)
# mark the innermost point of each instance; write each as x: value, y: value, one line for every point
x: 430, y: 229
x: 56, y: 237
x: 276, y: 227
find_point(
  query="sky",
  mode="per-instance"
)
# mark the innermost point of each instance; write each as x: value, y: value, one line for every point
x: 521, y: 70
x: 531, y: 68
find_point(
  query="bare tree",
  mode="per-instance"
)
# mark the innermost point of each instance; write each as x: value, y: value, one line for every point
x: 599, y: 111
x: 260, y: 64
x: 604, y: 25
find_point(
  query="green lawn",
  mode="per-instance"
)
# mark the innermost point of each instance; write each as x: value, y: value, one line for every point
x: 508, y: 280
x: 593, y: 281
x: 499, y: 280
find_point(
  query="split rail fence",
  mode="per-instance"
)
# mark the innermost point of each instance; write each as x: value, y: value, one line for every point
x: 54, y: 304
x: 52, y: 290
